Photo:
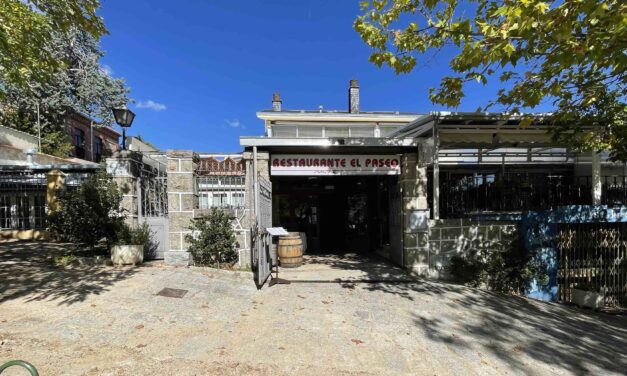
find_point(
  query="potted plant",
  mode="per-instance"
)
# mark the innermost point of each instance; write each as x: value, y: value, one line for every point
x: 586, y: 295
x: 130, y: 244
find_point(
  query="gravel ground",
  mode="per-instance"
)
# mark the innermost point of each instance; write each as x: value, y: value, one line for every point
x: 110, y: 321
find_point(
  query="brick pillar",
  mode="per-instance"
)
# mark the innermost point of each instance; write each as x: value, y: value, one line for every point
x: 55, y: 182
x: 415, y: 212
x: 124, y: 167
x: 182, y: 201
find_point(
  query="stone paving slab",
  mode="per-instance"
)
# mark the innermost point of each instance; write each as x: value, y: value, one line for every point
x: 109, y: 321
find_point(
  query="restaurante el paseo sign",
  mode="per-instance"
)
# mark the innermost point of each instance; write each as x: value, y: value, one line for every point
x: 334, y: 164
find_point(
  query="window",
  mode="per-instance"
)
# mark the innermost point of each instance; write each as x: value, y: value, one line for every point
x: 22, y: 212
x: 283, y: 131
x: 79, y: 143
x: 220, y: 200
x: 5, y: 212
x: 237, y: 200
x: 97, y: 149
x: 387, y: 129
x: 309, y: 131
x: 221, y: 191
x: 362, y: 131
x: 39, y: 211
x: 336, y: 132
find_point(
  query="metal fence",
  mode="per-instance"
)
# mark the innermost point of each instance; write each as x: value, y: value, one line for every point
x: 593, y: 257
x: 153, y: 188
x: 462, y: 195
x: 23, y: 193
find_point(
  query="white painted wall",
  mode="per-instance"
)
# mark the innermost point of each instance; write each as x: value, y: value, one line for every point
x: 17, y: 139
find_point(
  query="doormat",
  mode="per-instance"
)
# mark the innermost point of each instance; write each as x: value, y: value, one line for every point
x: 172, y: 293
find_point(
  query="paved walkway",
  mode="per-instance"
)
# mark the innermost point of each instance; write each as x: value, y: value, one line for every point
x: 110, y: 321
x: 349, y: 267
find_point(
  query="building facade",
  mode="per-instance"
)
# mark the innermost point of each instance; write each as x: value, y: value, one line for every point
x: 413, y: 188
x: 91, y: 141
x: 417, y: 188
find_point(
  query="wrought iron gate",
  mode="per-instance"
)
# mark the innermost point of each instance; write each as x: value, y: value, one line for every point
x: 593, y: 257
x: 152, y: 191
x: 262, y: 256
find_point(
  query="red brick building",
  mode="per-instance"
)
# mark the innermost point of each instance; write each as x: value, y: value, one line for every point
x: 104, y: 140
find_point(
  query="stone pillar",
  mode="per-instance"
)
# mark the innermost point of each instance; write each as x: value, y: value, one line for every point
x: 182, y: 201
x: 55, y: 182
x: 415, y: 208
x: 124, y: 167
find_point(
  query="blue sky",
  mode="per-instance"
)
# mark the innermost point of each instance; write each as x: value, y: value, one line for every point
x: 200, y: 70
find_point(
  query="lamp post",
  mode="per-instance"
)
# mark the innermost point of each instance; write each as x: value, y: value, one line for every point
x: 124, y: 117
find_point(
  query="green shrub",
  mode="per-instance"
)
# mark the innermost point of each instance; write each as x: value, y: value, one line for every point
x: 134, y: 235
x: 89, y: 213
x: 141, y: 235
x: 65, y: 260
x: 213, y: 239
x: 468, y: 270
x: 510, y: 270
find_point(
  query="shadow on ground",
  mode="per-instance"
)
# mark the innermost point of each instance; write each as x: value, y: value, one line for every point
x: 580, y: 341
x: 512, y: 328
x: 27, y: 271
x: 351, y: 269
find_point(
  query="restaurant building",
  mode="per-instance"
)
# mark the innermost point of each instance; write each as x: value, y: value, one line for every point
x: 414, y: 188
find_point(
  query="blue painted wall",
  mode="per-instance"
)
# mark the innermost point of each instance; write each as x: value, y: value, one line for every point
x: 539, y: 230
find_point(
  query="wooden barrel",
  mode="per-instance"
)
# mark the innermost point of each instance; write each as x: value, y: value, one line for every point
x: 290, y: 251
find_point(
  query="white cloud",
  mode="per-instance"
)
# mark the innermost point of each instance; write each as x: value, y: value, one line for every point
x: 107, y: 70
x: 235, y: 123
x: 152, y: 105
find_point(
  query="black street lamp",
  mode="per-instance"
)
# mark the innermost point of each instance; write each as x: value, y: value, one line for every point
x: 124, y: 117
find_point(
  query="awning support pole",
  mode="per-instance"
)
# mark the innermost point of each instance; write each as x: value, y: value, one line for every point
x: 597, y: 187
x: 436, y: 172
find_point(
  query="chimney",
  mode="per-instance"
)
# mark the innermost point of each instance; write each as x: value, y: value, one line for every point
x: 276, y: 102
x: 353, y: 97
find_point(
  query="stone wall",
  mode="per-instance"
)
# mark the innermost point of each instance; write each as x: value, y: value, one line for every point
x: 450, y: 237
x: 182, y: 202
x: 413, y: 181
x: 124, y: 168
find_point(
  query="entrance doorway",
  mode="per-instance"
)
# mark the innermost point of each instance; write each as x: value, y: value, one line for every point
x: 339, y: 214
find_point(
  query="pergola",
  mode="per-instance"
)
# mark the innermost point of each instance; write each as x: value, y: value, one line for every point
x: 492, y: 139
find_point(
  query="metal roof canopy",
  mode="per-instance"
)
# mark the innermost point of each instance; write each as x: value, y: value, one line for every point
x: 356, y: 142
x: 48, y: 167
x: 482, y: 138
x: 473, y: 123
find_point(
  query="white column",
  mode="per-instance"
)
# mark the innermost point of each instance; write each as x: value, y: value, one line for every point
x: 597, y: 188
x: 436, y: 177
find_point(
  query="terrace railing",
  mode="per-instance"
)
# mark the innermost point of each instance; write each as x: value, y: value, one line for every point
x: 471, y: 194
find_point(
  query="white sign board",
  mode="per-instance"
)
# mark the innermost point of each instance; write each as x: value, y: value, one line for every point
x: 334, y: 164
x: 277, y: 231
